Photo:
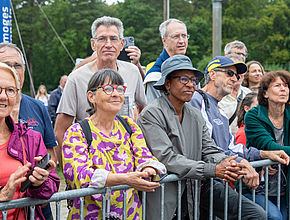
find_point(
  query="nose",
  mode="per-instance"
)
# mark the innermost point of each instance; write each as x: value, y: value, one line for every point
x: 3, y: 93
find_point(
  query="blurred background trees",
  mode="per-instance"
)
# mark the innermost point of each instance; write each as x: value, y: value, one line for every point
x: 263, y: 25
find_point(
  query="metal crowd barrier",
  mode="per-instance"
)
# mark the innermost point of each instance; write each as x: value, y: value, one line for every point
x: 81, y: 193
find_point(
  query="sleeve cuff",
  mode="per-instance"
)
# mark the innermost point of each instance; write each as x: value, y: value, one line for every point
x: 161, y: 169
x: 209, y: 170
x: 99, y: 178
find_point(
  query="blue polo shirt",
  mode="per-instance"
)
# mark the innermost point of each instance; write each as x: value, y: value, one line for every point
x: 34, y: 113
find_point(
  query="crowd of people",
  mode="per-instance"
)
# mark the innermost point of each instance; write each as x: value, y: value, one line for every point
x: 195, y: 124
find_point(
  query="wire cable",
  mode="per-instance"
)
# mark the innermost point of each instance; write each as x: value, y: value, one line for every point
x: 67, y: 51
x: 23, y: 51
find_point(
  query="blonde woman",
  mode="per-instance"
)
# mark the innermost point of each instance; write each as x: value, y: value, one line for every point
x: 42, y: 95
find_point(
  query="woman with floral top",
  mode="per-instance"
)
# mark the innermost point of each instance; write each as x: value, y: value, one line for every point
x: 113, y: 158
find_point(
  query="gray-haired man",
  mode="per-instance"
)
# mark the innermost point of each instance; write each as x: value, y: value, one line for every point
x: 174, y: 37
x: 107, y: 41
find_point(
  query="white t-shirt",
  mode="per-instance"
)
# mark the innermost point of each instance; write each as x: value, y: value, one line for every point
x: 74, y: 98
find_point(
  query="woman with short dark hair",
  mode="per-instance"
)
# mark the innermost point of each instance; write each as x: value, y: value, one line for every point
x: 267, y: 125
x: 114, y: 156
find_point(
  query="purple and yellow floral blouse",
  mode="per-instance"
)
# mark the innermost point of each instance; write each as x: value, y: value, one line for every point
x: 118, y: 153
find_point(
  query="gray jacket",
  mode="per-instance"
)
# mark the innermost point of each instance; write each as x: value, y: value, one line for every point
x: 186, y: 149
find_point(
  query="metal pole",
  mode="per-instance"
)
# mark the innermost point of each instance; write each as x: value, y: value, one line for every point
x: 217, y: 27
x: 166, y: 10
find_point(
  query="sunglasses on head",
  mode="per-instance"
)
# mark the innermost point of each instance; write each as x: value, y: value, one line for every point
x: 229, y: 72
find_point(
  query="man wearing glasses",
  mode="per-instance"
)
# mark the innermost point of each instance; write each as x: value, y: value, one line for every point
x: 178, y: 136
x: 223, y: 73
x: 237, y: 51
x: 107, y: 41
x: 174, y: 37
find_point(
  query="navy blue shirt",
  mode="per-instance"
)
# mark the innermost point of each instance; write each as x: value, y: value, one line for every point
x: 34, y: 113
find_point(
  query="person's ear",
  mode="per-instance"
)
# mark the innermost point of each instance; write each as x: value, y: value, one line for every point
x: 122, y: 43
x: 91, y: 97
x: 266, y: 94
x: 246, y: 108
x: 93, y: 44
x: 167, y: 84
x: 164, y: 42
x: 212, y: 75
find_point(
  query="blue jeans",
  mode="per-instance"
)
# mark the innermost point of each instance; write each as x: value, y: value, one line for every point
x: 273, y: 211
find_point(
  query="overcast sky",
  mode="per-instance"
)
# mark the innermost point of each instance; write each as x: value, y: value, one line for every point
x: 109, y: 2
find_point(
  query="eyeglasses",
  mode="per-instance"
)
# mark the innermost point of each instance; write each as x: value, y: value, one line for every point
x: 177, y: 36
x: 184, y: 80
x: 11, y: 92
x: 16, y: 66
x: 108, y: 89
x: 229, y: 72
x: 104, y: 39
x: 240, y: 54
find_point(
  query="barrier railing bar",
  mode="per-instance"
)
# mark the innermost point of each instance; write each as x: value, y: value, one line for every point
x: 240, y: 200
x: 196, y: 207
x: 279, y: 186
x: 103, y: 206
x: 57, y: 207
x: 266, y: 190
x: 211, y: 200
x: 162, y: 201
x: 143, y: 205
x: 179, y: 200
x: 82, y: 208
x: 124, y: 205
x: 32, y: 212
x: 4, y: 215
x: 226, y: 201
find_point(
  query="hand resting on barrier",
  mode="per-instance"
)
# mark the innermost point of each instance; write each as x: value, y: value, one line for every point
x: 134, y: 179
x: 251, y: 177
x: 276, y: 155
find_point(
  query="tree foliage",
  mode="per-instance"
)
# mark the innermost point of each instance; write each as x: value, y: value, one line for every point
x: 263, y: 25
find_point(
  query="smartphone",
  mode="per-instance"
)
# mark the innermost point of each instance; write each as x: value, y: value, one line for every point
x: 161, y: 178
x: 43, y: 163
x: 129, y: 41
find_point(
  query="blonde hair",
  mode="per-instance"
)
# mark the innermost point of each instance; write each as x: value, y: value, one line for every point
x: 38, y: 92
x: 4, y: 66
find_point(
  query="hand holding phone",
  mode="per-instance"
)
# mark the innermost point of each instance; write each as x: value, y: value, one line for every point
x: 43, y: 164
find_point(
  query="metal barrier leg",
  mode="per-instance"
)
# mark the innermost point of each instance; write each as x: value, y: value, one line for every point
x: 240, y: 200
x: 32, y: 212
x: 226, y: 201
x: 82, y: 208
x: 124, y: 204
x: 103, y: 206
x: 4, y: 215
x: 196, y: 207
x: 211, y: 200
x: 279, y: 186
x: 179, y: 200
x: 143, y: 205
x: 57, y: 207
x: 266, y: 190
x: 162, y: 201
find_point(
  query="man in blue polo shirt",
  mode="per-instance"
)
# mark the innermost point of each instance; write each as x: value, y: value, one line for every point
x: 27, y: 109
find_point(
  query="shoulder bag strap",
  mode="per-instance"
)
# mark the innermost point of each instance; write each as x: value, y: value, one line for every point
x: 125, y: 124
x: 87, y: 131
x: 23, y: 149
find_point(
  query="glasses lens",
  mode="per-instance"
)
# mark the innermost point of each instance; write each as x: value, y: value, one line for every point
x: 184, y: 79
x: 230, y: 72
x: 120, y: 89
x: 108, y: 89
x: 11, y: 92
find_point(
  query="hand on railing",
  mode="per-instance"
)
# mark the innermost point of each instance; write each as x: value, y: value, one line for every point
x: 16, y: 178
x: 275, y: 155
x: 229, y: 169
x: 251, y: 177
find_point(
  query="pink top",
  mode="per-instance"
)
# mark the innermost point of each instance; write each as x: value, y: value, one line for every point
x: 11, y: 165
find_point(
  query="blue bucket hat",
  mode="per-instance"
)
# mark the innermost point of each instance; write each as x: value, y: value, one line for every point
x: 177, y: 62
x: 223, y: 61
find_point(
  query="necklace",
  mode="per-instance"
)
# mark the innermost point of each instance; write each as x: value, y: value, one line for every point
x: 278, y: 123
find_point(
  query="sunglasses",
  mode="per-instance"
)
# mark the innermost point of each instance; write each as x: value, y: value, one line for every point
x: 229, y: 72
